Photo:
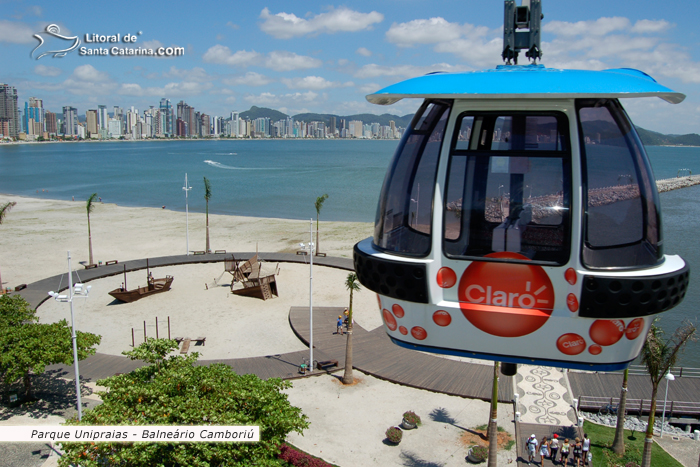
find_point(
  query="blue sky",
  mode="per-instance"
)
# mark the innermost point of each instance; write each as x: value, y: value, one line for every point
x: 325, y: 57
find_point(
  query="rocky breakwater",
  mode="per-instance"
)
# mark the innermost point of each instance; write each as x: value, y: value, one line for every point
x: 669, y: 184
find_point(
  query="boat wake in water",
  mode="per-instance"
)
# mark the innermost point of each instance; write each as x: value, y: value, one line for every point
x: 219, y: 165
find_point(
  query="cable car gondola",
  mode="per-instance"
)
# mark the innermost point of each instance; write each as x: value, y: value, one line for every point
x: 519, y: 219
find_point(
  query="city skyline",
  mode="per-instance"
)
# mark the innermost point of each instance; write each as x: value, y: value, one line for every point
x: 325, y: 58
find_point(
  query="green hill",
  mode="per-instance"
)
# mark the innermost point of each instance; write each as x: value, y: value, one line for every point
x: 275, y: 115
x: 262, y: 112
x: 652, y: 138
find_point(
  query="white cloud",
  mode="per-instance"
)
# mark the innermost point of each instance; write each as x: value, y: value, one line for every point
x: 315, y: 83
x: 406, y: 71
x: 16, y: 33
x: 288, y: 25
x: 36, y: 10
x: 288, y: 61
x: 476, y: 52
x: 249, y: 79
x: 614, y: 43
x: 222, y: 55
x: 232, y: 25
x: 362, y: 51
x: 599, y: 27
x: 645, y: 26
x: 369, y: 88
x: 43, y: 70
x: 423, y: 31
x: 183, y: 89
x: 90, y: 74
x: 269, y: 99
x: 195, y: 74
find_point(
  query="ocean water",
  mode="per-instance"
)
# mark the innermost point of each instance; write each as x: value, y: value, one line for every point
x: 265, y: 178
x: 283, y: 178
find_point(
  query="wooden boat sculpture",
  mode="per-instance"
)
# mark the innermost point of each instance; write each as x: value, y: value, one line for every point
x: 249, y: 276
x: 153, y: 287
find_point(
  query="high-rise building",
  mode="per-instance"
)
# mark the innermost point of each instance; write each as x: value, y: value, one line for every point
x: 50, y: 119
x: 166, y: 109
x: 91, y: 123
x: 114, y: 127
x: 70, y: 121
x: 102, y: 117
x: 205, y: 126
x: 33, y: 117
x: 9, y: 113
x: 334, y: 127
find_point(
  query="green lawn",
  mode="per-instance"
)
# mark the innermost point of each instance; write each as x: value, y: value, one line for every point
x: 601, y: 442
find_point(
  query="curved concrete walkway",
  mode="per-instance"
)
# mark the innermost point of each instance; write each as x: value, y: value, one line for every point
x: 373, y: 351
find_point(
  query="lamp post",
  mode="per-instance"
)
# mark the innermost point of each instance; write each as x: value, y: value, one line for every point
x: 669, y: 377
x: 79, y: 290
x: 311, y: 247
x: 187, y: 215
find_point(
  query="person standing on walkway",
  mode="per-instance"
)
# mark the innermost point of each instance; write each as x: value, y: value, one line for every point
x: 554, y: 448
x: 531, y: 444
x: 339, y: 325
x: 578, y: 450
x: 585, y: 447
x: 544, y: 450
x: 565, y: 448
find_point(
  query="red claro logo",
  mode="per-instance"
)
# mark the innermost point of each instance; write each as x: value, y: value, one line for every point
x: 506, y: 299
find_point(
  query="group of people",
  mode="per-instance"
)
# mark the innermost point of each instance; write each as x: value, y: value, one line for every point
x: 342, y: 320
x: 581, y: 450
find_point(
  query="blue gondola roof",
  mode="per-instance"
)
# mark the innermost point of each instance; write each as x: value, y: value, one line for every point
x: 528, y: 82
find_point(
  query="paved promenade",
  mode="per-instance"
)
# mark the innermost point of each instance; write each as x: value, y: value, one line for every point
x: 545, y: 394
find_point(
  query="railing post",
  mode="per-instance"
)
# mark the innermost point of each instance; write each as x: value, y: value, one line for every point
x: 641, y: 408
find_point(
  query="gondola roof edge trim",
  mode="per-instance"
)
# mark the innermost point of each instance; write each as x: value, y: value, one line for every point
x: 528, y: 82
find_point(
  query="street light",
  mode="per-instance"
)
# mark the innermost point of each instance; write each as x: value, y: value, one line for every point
x: 311, y: 247
x: 81, y: 291
x: 187, y: 215
x: 669, y: 377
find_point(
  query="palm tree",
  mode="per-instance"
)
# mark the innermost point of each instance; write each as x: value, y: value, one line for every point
x: 618, y: 446
x: 659, y: 356
x: 90, y: 206
x: 4, y: 209
x: 207, y: 197
x: 493, y: 421
x: 353, y: 286
x: 319, y: 204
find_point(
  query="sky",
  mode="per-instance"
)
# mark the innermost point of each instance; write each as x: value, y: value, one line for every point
x: 324, y: 57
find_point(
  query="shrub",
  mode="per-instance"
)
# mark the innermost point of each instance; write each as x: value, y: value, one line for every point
x: 300, y: 459
x: 394, y: 434
x: 411, y: 417
x: 480, y: 453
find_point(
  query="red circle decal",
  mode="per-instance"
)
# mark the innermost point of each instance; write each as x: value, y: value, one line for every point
x: 571, y: 344
x: 418, y: 333
x: 570, y: 276
x: 398, y: 311
x: 634, y: 329
x: 379, y: 300
x: 403, y: 330
x: 572, y: 303
x: 595, y: 349
x: 389, y: 319
x: 446, y: 278
x: 442, y: 318
x: 506, y: 299
x: 606, y: 331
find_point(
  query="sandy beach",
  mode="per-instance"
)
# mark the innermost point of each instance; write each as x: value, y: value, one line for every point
x: 347, y: 423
